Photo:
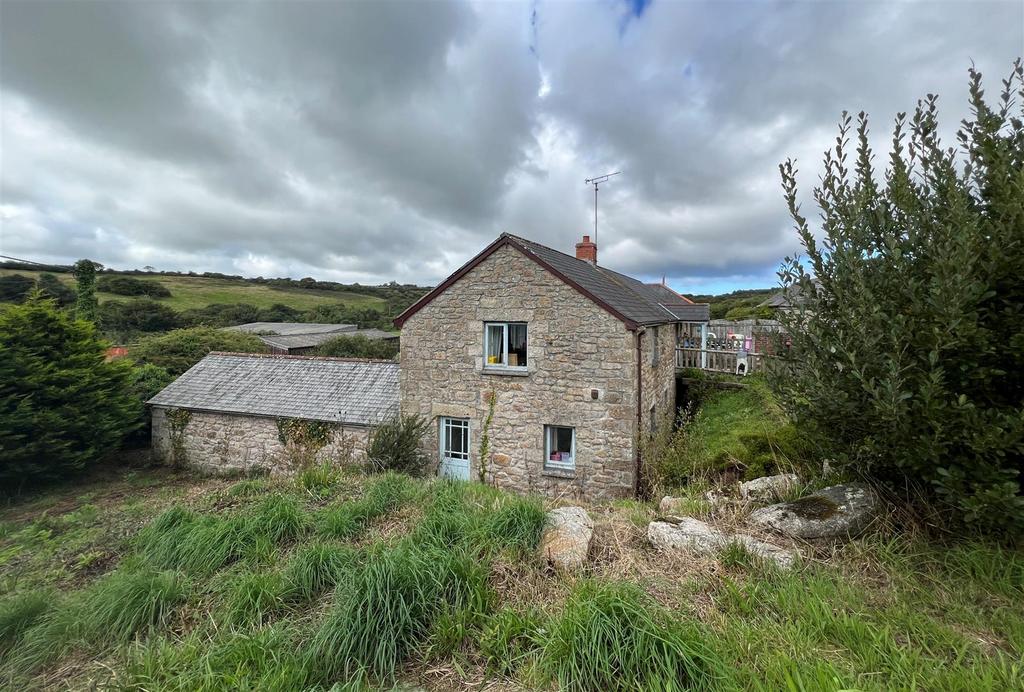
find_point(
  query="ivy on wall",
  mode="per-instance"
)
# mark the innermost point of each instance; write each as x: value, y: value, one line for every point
x: 485, y: 437
x: 304, y: 438
x: 177, y: 420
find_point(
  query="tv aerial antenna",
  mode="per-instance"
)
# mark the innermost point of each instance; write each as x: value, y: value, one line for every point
x: 595, y: 182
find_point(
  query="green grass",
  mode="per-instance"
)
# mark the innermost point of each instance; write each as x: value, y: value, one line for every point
x: 189, y: 292
x: 612, y: 637
x: 236, y: 587
x: 385, y: 494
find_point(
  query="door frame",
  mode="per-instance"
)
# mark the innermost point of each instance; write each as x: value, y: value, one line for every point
x: 443, y: 457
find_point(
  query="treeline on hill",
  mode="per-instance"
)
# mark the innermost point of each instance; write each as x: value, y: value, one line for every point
x: 737, y: 305
x: 398, y: 296
x: 125, y: 321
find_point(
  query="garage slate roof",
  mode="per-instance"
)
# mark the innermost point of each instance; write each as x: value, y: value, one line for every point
x: 340, y: 390
x: 632, y: 301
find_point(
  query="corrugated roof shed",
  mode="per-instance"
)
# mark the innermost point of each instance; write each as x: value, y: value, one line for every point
x: 341, y: 390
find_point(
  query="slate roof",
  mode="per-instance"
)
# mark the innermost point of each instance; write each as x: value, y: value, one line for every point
x: 341, y: 390
x: 632, y: 301
x: 290, y: 341
x: 289, y: 328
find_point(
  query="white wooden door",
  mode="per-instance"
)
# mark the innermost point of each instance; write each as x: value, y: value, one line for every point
x: 454, y: 435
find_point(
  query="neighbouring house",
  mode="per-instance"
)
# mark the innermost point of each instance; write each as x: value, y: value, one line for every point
x: 298, y: 338
x: 235, y: 412
x: 542, y: 371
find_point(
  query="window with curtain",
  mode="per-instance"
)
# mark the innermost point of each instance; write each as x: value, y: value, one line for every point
x: 559, y: 448
x: 505, y: 345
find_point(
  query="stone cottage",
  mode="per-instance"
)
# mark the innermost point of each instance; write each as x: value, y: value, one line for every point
x: 541, y: 371
x: 243, y: 412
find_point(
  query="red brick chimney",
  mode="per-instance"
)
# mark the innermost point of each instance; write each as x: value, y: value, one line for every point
x: 587, y: 250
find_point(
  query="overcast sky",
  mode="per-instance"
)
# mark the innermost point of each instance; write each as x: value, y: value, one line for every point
x: 392, y: 140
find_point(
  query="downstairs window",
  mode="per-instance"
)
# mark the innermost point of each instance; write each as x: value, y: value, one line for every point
x: 559, y: 448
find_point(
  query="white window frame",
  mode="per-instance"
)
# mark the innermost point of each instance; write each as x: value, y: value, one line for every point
x: 505, y: 351
x: 446, y: 423
x: 561, y: 466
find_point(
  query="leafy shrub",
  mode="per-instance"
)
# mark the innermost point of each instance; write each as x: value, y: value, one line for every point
x: 128, y: 286
x: 179, y: 350
x: 610, y: 636
x: 908, y: 343
x: 62, y: 406
x: 125, y: 319
x: 397, y: 445
x: 358, y: 346
x: 52, y: 287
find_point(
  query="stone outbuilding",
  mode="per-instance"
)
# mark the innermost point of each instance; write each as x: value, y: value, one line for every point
x: 242, y: 413
x: 542, y: 371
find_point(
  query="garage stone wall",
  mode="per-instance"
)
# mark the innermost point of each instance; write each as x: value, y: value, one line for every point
x: 582, y: 373
x: 223, y: 443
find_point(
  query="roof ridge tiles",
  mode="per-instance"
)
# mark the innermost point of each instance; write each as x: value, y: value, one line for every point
x: 295, y: 356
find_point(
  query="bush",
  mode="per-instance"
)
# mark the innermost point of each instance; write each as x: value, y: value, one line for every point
x: 180, y: 349
x: 128, y: 286
x: 358, y: 346
x: 124, y: 319
x: 397, y: 445
x: 52, y: 287
x: 62, y: 407
x: 14, y: 288
x: 612, y: 637
x: 908, y: 343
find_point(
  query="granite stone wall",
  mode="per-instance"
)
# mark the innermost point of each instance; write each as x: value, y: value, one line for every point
x: 582, y: 373
x: 228, y: 443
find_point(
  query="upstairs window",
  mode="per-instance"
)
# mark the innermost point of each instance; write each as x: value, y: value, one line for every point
x: 505, y: 345
x: 559, y: 448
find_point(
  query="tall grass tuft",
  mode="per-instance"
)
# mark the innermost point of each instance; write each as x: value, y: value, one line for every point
x: 610, y: 636
x: 389, y: 607
x: 386, y: 494
x: 280, y: 518
x: 181, y: 539
x: 517, y: 524
x: 265, y: 659
x: 253, y: 596
x: 19, y: 612
x: 315, y: 569
x: 510, y: 638
x: 110, y: 612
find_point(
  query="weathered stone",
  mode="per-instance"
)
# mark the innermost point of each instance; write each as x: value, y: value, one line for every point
x: 501, y: 459
x: 695, y: 536
x: 222, y: 443
x: 566, y: 539
x: 574, y: 347
x: 836, y: 512
x: 768, y: 488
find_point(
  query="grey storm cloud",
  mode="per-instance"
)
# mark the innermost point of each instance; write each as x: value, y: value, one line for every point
x: 377, y: 141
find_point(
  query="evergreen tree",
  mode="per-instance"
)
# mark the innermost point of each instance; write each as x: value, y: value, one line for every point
x: 908, y: 344
x: 62, y: 406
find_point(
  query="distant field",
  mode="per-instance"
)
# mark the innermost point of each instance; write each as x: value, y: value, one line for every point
x: 197, y: 291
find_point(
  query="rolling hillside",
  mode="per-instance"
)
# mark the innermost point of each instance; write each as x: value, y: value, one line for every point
x: 189, y: 292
